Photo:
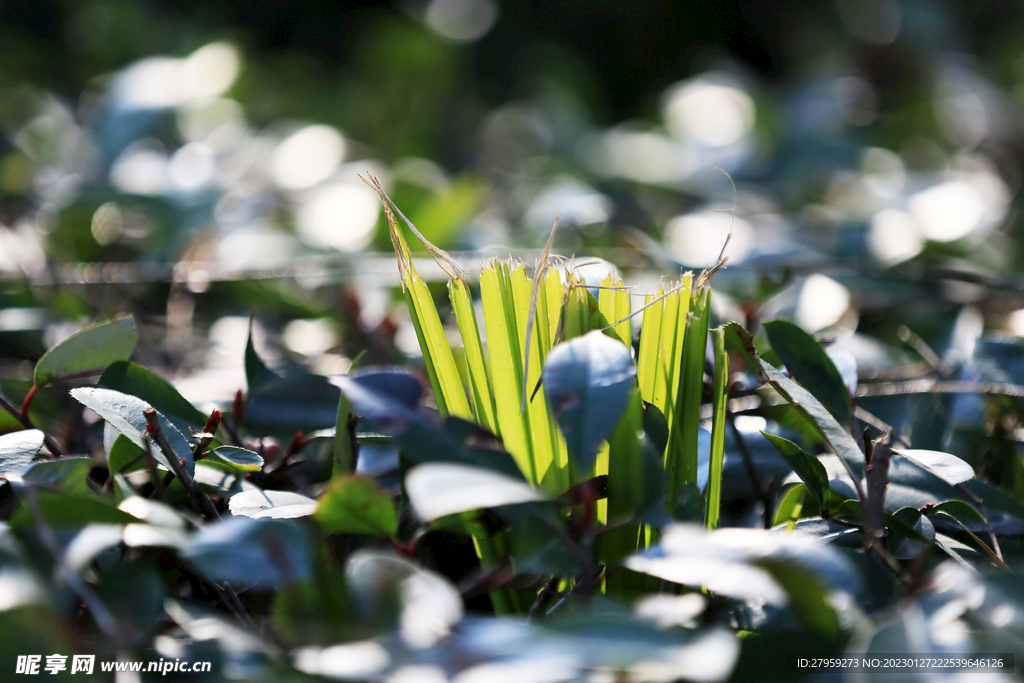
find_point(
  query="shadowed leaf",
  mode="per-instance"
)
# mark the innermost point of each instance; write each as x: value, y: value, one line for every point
x: 92, y: 349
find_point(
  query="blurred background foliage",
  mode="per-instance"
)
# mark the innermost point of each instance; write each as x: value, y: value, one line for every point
x: 192, y: 162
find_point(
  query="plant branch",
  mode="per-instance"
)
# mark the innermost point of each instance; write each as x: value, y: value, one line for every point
x: 25, y: 422
x: 159, y: 485
x: 200, y: 501
x: 748, y: 465
x: 582, y: 587
x: 103, y: 617
x: 936, y: 386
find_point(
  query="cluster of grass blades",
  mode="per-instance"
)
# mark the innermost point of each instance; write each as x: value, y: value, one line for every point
x: 651, y: 444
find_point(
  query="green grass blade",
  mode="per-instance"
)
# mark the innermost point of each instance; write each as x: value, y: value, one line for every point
x: 544, y: 432
x: 682, y: 467
x: 479, y: 381
x: 506, y: 367
x: 714, y: 490
x: 650, y: 337
x: 577, y: 320
x: 437, y: 351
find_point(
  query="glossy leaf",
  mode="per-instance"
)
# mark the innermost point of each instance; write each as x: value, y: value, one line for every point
x: 908, y: 548
x: 778, y: 568
x: 257, y: 374
x: 133, y: 379
x: 273, y: 504
x: 389, y: 397
x: 793, y: 506
x: 124, y: 413
x: 246, y: 552
x: 299, y: 402
x: 810, y: 365
x: 807, y: 467
x: 960, y: 510
x: 439, y: 489
x: 67, y: 475
x: 428, y: 604
x: 124, y: 456
x: 73, y: 511
x: 17, y: 450
x: 90, y: 350
x: 838, y: 439
x: 220, y: 482
x: 945, y: 466
x: 242, y: 458
x: 588, y: 381
x: 357, y: 505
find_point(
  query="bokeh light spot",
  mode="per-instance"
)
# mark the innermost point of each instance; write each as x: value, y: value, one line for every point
x: 307, y: 157
x: 340, y: 216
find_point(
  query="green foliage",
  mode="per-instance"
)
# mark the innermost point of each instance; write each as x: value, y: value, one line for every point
x: 808, y: 364
x: 357, y: 505
x: 89, y: 351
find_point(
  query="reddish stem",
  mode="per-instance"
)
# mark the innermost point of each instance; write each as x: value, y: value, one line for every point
x: 28, y: 400
x: 62, y: 378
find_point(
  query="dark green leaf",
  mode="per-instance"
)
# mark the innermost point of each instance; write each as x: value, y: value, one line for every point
x: 795, y: 505
x: 809, y: 365
x: 383, y: 395
x: 588, y: 381
x: 245, y: 552
x: 92, y: 349
x: 129, y: 378
x: 907, y: 548
x: 344, y: 436
x: 134, y: 592
x: 72, y: 510
x: 357, y: 505
x: 389, y: 398
x: 807, y: 595
x: 67, y: 475
x: 959, y: 509
x: 655, y: 427
x: 739, y: 340
x: 125, y: 456
x: 835, y: 435
x: 125, y: 414
x: 17, y: 450
x: 852, y: 509
x: 807, y: 467
x: 257, y: 374
x: 300, y: 402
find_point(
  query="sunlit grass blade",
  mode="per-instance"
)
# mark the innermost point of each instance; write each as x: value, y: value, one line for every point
x: 535, y: 295
x: 506, y: 366
x: 543, y: 432
x: 437, y: 352
x: 650, y: 338
x: 479, y: 381
x: 682, y: 463
x: 577, y: 313
x: 718, y: 407
x: 614, y: 307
